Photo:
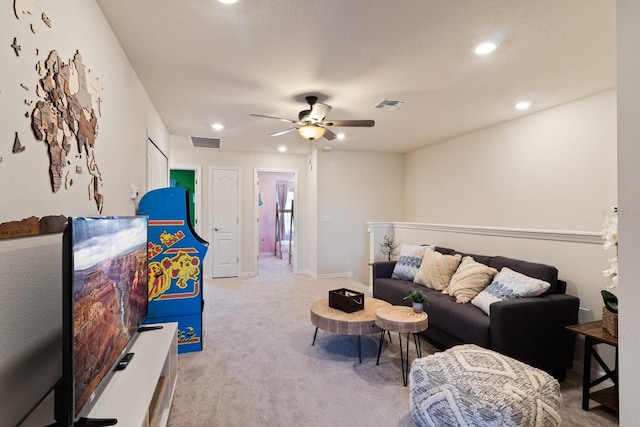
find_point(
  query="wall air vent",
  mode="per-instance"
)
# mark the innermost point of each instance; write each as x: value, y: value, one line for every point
x: 205, y: 142
x: 389, y: 104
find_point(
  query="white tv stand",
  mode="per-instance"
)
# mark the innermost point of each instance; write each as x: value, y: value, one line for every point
x: 141, y: 394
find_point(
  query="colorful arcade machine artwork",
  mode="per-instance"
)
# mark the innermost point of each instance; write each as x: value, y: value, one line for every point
x: 176, y: 254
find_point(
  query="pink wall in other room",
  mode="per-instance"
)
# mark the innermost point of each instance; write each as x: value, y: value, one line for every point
x: 268, y: 209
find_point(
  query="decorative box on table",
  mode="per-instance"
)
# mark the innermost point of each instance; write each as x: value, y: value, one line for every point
x: 346, y: 300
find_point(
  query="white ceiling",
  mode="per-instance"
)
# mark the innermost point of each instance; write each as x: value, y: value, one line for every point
x: 202, y: 62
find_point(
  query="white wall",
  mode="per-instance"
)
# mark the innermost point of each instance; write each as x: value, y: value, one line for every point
x: 246, y: 162
x: 348, y: 188
x: 628, y: 34
x: 353, y: 188
x: 554, y: 169
x: 30, y: 308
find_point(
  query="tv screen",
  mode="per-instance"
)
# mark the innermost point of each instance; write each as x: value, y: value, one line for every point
x: 104, y: 303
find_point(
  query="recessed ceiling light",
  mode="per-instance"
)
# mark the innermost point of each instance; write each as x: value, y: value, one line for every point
x: 340, y: 136
x: 522, y: 105
x: 282, y: 149
x: 484, y: 48
x: 228, y: 1
x: 217, y: 126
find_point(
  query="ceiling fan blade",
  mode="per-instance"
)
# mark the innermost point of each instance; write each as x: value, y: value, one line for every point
x: 282, y: 132
x: 350, y: 123
x: 271, y: 117
x: 319, y: 111
x: 329, y: 135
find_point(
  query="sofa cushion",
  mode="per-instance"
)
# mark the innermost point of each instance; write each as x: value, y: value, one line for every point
x: 470, y: 278
x: 508, y: 285
x: 436, y: 270
x: 394, y: 290
x: 465, y: 321
x: 482, y: 259
x: 409, y: 261
x: 445, y: 251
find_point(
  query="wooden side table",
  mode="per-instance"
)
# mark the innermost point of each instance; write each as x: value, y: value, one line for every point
x: 402, y: 320
x: 595, y: 334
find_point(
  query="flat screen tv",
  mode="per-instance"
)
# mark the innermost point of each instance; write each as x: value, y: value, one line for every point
x: 104, y: 303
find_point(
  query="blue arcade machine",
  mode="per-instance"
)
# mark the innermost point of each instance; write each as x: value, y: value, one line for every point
x: 175, y: 255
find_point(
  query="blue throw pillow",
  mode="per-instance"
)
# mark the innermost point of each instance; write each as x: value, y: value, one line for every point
x: 508, y: 285
x: 409, y: 261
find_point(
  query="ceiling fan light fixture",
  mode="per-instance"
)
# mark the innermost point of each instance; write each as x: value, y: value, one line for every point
x: 311, y: 132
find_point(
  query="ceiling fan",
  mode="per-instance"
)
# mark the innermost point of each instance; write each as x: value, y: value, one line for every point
x: 311, y: 123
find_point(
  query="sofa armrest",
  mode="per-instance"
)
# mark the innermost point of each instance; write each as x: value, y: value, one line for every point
x: 533, y: 330
x: 383, y: 269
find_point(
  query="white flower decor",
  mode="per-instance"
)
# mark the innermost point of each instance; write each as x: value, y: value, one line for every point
x: 610, y: 237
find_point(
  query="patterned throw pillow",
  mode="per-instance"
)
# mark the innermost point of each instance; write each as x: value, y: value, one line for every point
x: 436, y: 270
x: 409, y: 261
x: 470, y: 278
x: 509, y: 285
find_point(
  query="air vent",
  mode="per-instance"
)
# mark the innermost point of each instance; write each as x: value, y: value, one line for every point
x: 389, y: 104
x: 205, y: 142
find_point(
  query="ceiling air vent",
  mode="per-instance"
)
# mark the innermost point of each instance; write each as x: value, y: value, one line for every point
x: 389, y: 104
x: 205, y: 142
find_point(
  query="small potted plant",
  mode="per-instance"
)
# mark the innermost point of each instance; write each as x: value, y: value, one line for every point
x: 419, y: 299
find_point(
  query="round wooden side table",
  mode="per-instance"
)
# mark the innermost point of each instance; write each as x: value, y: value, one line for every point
x: 402, y: 320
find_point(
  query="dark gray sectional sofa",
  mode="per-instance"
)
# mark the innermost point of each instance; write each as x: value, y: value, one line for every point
x: 531, y: 329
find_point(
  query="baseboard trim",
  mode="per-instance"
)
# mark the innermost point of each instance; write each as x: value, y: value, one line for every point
x: 313, y: 275
x: 346, y: 274
x: 589, y: 237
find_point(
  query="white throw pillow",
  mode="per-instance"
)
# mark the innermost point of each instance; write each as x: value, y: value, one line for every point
x: 508, y: 285
x: 409, y: 261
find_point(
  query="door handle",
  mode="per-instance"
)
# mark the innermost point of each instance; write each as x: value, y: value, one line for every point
x: 216, y: 229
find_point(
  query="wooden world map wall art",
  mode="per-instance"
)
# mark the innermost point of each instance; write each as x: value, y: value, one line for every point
x: 64, y: 115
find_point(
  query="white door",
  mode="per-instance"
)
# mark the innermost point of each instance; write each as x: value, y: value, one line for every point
x: 225, y: 222
x: 157, y: 167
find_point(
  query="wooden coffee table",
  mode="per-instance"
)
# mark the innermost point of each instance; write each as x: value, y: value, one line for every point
x: 358, y: 323
x: 402, y: 320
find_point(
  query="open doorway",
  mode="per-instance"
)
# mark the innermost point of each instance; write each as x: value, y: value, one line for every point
x: 276, y: 194
x: 188, y: 177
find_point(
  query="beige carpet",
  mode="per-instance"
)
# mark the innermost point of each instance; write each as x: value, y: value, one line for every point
x: 258, y: 367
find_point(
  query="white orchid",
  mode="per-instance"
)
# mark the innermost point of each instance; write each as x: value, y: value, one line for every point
x: 610, y: 237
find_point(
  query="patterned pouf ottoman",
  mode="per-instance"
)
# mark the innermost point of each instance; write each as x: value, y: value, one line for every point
x: 469, y: 385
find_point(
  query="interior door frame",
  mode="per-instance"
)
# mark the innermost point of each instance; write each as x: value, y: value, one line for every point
x: 198, y: 192
x: 256, y: 214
